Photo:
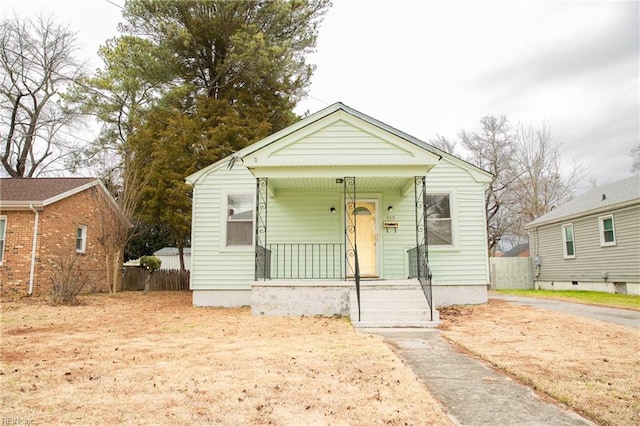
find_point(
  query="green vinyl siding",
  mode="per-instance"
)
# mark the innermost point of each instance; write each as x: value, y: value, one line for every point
x: 305, y: 217
x: 213, y: 265
x: 297, y: 216
x: 466, y: 262
x: 349, y: 140
x: 299, y: 209
x: 318, y: 143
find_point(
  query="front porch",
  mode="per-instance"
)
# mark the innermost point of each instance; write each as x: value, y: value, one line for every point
x: 354, y: 257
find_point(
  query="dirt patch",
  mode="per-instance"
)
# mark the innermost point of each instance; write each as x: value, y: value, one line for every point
x: 155, y: 359
x: 592, y: 366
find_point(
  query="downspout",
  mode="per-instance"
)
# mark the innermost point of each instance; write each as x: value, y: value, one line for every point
x: 33, y: 249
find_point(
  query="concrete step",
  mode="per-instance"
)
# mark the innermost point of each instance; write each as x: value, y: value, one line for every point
x: 389, y: 306
x: 395, y: 324
x: 415, y: 316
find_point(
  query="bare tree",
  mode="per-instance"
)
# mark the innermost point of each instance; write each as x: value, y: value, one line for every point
x: 492, y: 149
x: 536, y: 165
x: 443, y: 144
x: 37, y: 65
x: 117, y: 223
x: 528, y: 179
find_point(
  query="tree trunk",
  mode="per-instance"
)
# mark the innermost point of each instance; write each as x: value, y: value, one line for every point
x: 117, y: 276
x: 107, y: 269
x: 181, y: 256
x: 147, y: 281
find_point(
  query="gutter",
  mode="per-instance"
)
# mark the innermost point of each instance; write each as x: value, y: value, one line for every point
x: 33, y: 248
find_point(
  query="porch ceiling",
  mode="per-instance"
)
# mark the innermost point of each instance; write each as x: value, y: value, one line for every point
x: 324, y: 183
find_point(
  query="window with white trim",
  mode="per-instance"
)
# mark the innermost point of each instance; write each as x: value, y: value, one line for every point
x: 569, y: 247
x: 239, y: 220
x: 81, y: 239
x: 607, y: 231
x: 439, y: 229
x: 3, y: 225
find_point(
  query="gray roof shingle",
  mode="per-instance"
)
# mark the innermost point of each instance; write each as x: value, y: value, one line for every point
x: 171, y: 251
x: 611, y: 195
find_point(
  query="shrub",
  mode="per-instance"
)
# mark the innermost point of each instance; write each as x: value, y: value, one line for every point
x: 68, y: 280
x: 151, y: 264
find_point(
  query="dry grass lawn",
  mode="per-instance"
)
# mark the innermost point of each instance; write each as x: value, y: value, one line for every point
x: 154, y: 359
x: 592, y: 366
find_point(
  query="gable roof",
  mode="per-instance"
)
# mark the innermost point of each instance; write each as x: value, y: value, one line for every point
x: 521, y: 250
x: 605, y: 198
x: 21, y: 193
x: 171, y: 251
x: 307, y: 121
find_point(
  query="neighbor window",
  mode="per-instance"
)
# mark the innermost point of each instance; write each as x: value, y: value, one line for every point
x: 3, y: 224
x: 607, y: 231
x: 239, y: 220
x: 439, y: 220
x: 569, y: 242
x: 81, y: 239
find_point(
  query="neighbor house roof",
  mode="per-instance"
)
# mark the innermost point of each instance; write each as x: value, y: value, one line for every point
x: 605, y: 198
x: 521, y: 250
x: 23, y: 193
x: 171, y: 251
x: 331, y: 109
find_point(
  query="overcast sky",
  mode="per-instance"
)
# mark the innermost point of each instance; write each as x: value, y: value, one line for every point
x: 436, y: 67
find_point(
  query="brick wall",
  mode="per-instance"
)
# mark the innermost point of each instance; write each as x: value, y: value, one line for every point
x: 16, y: 261
x: 57, y: 229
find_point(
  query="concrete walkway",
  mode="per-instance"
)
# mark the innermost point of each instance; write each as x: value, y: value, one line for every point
x: 626, y: 317
x: 472, y: 392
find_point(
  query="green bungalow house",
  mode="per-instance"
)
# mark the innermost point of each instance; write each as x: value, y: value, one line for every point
x: 340, y: 214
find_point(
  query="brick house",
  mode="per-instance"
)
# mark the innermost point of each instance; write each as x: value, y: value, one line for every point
x: 46, y: 220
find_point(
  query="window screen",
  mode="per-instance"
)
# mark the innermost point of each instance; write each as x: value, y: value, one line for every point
x: 239, y: 220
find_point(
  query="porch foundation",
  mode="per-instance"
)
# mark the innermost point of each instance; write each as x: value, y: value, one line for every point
x: 447, y: 295
x: 222, y: 298
x: 606, y: 287
x: 308, y: 298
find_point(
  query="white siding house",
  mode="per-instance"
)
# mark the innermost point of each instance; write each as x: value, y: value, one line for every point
x: 325, y: 217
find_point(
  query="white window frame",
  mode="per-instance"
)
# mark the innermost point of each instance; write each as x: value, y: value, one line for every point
x: 452, y: 221
x: 83, y: 248
x: 3, y: 237
x: 603, y: 242
x: 564, y: 241
x: 223, y: 227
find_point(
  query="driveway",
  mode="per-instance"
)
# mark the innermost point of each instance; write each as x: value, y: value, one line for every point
x: 627, y: 317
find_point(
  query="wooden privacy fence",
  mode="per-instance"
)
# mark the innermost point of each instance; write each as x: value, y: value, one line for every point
x: 162, y: 280
x: 514, y: 273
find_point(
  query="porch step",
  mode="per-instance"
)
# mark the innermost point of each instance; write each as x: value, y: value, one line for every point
x: 395, y: 324
x: 391, y: 306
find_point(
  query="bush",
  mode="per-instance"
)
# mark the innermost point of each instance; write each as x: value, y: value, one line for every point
x: 151, y: 263
x: 68, y: 281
